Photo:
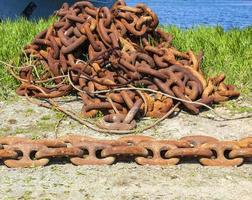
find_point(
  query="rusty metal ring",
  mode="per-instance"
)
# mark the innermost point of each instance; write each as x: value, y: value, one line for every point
x: 115, y: 122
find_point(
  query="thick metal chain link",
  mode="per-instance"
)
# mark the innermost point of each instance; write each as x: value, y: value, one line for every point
x: 81, y: 150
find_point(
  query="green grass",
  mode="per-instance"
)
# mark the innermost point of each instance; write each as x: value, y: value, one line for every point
x: 229, y: 52
x: 13, y: 37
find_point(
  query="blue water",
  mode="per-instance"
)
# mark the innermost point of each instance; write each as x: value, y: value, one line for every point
x: 187, y: 13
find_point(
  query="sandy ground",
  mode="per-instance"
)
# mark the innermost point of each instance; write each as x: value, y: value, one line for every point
x: 123, y: 180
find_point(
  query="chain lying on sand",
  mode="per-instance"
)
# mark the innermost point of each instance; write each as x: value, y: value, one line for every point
x: 81, y: 150
x: 100, y: 52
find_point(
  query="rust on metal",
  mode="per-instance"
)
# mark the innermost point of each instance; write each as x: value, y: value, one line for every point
x: 91, y: 50
x: 144, y: 150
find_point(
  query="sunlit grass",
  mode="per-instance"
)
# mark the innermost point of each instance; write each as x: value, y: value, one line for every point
x: 13, y: 36
x: 229, y: 52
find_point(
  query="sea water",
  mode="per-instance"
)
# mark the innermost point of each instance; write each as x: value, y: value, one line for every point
x: 188, y: 13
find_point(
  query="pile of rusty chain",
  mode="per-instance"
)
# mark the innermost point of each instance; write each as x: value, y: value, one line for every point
x: 94, y: 51
x: 81, y: 150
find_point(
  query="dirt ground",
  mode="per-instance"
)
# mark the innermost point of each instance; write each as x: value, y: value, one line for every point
x: 123, y: 180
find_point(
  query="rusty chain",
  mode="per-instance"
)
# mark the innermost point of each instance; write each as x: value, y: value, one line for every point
x: 144, y: 150
x: 90, y: 50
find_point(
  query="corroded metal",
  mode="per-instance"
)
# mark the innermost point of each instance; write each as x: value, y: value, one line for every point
x: 124, y: 48
x: 144, y: 150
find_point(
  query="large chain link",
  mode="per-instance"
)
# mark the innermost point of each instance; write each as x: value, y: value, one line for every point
x: 144, y: 150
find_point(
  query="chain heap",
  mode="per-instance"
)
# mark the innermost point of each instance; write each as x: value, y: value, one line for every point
x: 144, y: 150
x: 97, y: 52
